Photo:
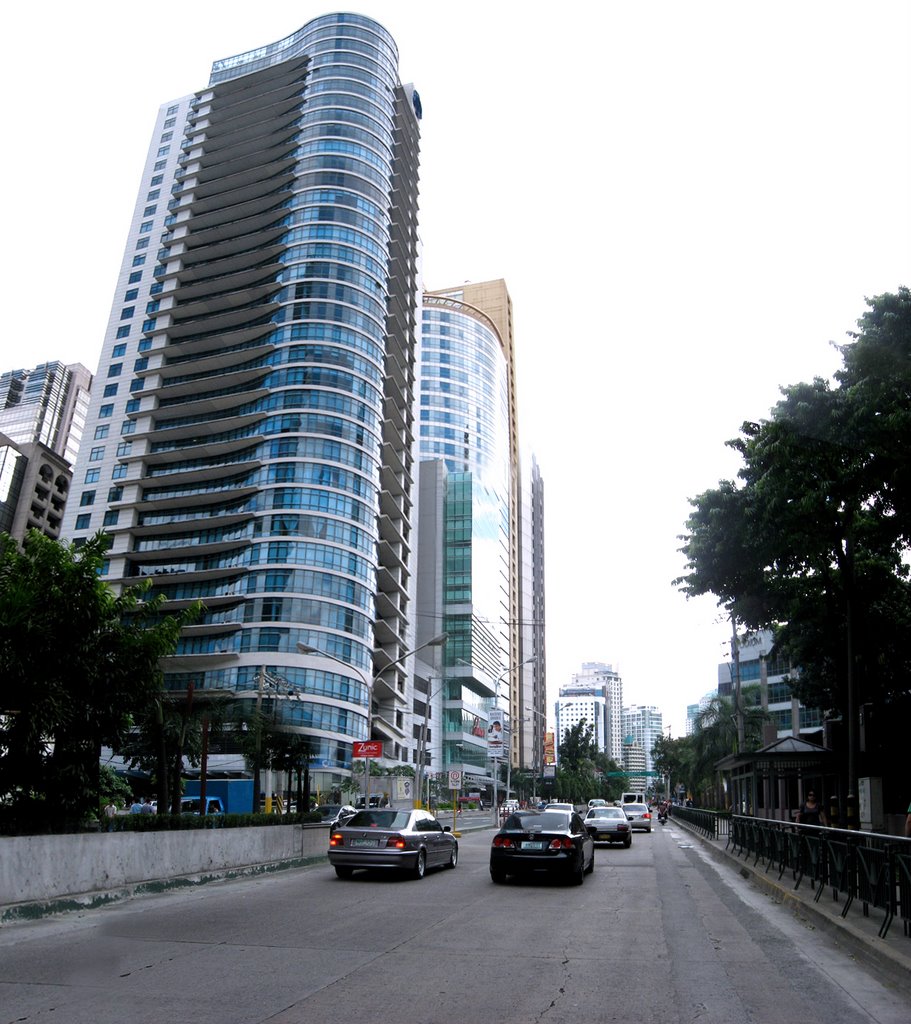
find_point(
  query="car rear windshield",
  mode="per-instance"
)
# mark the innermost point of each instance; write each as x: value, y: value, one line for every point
x: 546, y: 821
x: 635, y: 808
x: 607, y: 812
x: 379, y: 819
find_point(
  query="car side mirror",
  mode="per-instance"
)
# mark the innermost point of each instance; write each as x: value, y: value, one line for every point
x: 447, y: 828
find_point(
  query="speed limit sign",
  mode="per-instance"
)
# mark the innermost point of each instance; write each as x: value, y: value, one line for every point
x: 455, y: 779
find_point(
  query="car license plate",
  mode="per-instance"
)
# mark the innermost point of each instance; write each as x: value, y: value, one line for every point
x: 371, y: 843
x: 604, y: 835
x: 528, y: 844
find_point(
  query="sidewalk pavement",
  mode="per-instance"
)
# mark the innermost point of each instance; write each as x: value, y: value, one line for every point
x: 856, y: 933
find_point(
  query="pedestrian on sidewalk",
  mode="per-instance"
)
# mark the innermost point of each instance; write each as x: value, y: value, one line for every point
x: 811, y: 813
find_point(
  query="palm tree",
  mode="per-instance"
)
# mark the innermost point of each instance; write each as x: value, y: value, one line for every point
x: 715, y: 733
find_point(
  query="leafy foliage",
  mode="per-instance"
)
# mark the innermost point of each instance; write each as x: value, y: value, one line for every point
x: 77, y: 665
x: 584, y: 771
x: 811, y: 540
x: 168, y: 730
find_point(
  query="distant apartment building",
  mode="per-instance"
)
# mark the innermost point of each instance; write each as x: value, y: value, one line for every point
x: 42, y: 417
x: 586, y: 699
x: 693, y: 710
x: 608, y: 683
x: 634, y: 763
x: 643, y: 724
x: 758, y: 666
x: 46, y: 405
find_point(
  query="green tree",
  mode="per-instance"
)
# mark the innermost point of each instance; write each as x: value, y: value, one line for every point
x: 576, y: 777
x: 113, y: 787
x: 77, y: 665
x: 715, y: 736
x: 673, y: 758
x: 170, y: 729
x: 811, y: 541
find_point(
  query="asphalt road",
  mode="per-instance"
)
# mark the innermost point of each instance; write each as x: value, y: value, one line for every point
x: 658, y: 933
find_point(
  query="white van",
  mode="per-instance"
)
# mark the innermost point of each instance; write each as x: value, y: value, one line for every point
x: 633, y: 798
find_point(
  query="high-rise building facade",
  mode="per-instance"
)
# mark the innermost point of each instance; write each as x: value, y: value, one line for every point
x: 760, y: 669
x: 583, y: 703
x: 42, y: 417
x: 257, y: 385
x: 608, y: 682
x: 468, y: 521
x: 46, y: 404
x: 643, y: 724
x: 531, y: 712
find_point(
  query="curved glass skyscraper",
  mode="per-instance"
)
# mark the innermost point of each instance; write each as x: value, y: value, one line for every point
x: 466, y: 444
x: 253, y: 411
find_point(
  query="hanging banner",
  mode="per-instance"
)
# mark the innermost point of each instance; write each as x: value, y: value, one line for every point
x: 495, y: 730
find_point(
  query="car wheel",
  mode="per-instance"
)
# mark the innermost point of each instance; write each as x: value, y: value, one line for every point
x: 343, y: 872
x: 420, y: 865
x: 454, y: 856
x: 497, y: 875
x: 628, y: 843
x: 577, y: 874
x: 591, y: 866
x: 649, y: 831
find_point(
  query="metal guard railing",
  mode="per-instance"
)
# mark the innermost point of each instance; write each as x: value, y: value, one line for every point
x: 711, y: 824
x: 867, y: 866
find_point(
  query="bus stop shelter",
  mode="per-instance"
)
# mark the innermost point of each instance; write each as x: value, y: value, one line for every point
x: 773, y: 782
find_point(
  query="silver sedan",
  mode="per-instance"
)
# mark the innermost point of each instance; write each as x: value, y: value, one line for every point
x: 640, y: 817
x: 411, y: 841
x: 609, y: 825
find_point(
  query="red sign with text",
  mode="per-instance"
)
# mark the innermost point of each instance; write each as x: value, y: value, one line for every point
x: 367, y: 748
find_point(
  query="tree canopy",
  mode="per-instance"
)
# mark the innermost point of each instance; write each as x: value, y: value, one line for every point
x: 811, y: 539
x: 585, y: 771
x: 78, y: 663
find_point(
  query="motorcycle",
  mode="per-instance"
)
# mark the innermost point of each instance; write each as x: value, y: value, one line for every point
x: 662, y: 817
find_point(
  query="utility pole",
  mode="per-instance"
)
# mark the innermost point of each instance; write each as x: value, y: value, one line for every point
x: 738, y: 704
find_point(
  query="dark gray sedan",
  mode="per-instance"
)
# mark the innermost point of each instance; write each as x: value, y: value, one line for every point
x: 410, y: 841
x: 609, y: 825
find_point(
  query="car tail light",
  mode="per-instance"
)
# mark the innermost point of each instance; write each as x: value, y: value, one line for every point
x: 336, y: 839
x: 646, y: 815
x: 396, y: 842
x: 561, y: 844
x: 624, y: 827
x: 503, y: 841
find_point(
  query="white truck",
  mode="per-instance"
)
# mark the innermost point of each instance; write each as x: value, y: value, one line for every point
x: 633, y: 798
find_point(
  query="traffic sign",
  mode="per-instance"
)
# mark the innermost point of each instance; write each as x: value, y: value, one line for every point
x: 455, y: 778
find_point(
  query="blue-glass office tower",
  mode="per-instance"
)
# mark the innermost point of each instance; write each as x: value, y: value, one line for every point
x: 469, y: 538
x: 253, y: 408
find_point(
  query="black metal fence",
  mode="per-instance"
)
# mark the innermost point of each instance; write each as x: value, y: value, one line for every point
x: 871, y: 868
x: 711, y: 824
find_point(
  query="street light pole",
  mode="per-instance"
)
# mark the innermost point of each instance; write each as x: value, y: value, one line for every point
x: 263, y: 679
x: 496, y: 760
x: 422, y: 747
x: 534, y: 760
x: 436, y: 641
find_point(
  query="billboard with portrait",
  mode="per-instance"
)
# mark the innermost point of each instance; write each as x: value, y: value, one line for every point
x: 496, y: 730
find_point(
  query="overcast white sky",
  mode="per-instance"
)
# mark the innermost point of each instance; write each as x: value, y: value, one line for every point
x: 688, y: 201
